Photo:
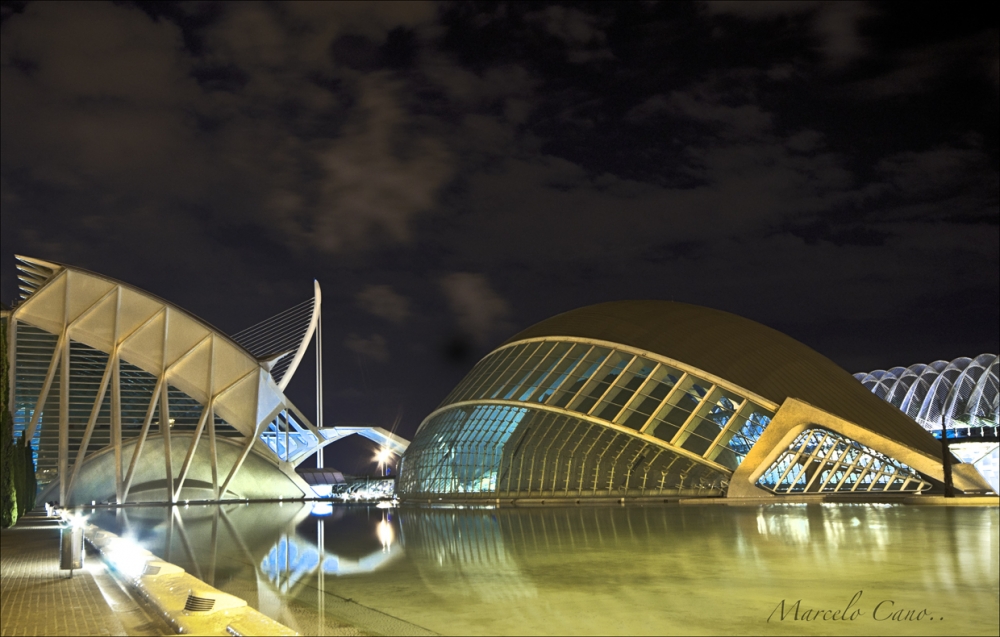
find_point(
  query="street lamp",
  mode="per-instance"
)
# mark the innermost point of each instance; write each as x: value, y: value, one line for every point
x: 382, y: 457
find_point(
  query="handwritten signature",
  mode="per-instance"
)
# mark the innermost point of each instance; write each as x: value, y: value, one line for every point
x: 884, y: 610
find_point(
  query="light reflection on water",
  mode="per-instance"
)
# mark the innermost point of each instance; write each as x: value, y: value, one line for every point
x: 587, y: 570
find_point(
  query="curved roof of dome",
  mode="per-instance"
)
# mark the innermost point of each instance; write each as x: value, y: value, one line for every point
x: 744, y: 352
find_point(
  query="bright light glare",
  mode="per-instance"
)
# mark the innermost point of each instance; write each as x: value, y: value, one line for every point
x: 385, y: 534
x: 79, y: 521
x: 322, y: 508
x: 127, y: 557
x: 383, y: 455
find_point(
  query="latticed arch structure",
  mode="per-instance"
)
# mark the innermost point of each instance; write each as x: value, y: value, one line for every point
x: 957, y: 398
x: 652, y: 398
x: 126, y: 397
x: 958, y: 395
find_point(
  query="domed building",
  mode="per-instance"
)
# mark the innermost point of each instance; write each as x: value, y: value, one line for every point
x: 648, y: 399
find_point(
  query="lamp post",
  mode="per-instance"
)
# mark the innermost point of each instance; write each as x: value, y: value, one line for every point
x: 949, y: 488
x: 383, y: 460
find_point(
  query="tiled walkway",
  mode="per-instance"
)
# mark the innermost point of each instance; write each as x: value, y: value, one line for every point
x: 36, y: 598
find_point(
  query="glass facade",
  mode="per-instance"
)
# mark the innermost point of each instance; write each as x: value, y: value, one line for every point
x: 34, y: 351
x: 512, y: 426
x: 821, y: 461
x: 506, y: 451
x: 622, y: 388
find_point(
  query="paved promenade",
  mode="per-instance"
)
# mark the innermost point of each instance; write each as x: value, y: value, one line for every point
x: 36, y: 598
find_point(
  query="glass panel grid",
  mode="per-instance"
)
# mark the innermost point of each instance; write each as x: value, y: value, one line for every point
x: 34, y: 353
x: 822, y: 461
x: 579, y: 376
x: 562, y: 371
x: 460, y: 451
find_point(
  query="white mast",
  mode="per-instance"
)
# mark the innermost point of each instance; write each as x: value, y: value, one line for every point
x: 319, y: 369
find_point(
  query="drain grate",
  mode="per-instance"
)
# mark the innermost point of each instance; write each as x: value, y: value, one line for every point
x: 196, y: 604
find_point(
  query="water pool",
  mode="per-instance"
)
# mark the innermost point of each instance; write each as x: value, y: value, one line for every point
x: 670, y: 569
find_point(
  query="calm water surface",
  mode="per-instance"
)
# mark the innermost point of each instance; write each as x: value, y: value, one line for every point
x: 671, y: 569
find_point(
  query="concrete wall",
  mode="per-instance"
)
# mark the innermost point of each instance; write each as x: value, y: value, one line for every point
x: 257, y: 479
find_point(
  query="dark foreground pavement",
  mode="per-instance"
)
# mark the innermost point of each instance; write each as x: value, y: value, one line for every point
x: 36, y: 598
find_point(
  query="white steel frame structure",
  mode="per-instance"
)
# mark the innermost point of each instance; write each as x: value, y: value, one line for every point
x: 959, y: 399
x: 958, y: 394
x: 101, y: 371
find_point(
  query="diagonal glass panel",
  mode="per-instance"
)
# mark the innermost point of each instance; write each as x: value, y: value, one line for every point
x: 579, y: 376
x: 822, y: 461
x: 560, y: 374
x: 649, y: 397
x: 678, y: 408
x: 624, y: 389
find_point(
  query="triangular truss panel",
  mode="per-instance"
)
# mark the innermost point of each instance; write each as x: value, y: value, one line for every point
x: 192, y: 374
x: 84, y: 291
x: 269, y: 397
x: 144, y: 347
x: 96, y: 327
x: 135, y: 310
x: 229, y: 364
x: 822, y: 461
x: 237, y: 405
x: 183, y: 333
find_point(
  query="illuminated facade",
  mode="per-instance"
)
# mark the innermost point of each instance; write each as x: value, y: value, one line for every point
x: 128, y: 398
x: 650, y: 399
x: 959, y: 397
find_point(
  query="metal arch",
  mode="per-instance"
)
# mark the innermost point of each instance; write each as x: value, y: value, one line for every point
x: 921, y: 371
x: 940, y: 386
x: 660, y: 358
x: 384, y: 438
x: 901, y: 388
x: 934, y: 398
x: 313, y: 321
x: 591, y: 419
x: 975, y: 402
x: 955, y: 406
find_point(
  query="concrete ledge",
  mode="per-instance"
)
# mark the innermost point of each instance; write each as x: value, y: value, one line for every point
x: 957, y: 501
x: 170, y: 590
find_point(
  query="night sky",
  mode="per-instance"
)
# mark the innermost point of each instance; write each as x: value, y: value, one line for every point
x: 452, y: 173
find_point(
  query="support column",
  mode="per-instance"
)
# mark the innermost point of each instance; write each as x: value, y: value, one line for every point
x: 319, y: 385
x: 165, y: 410
x: 116, y: 403
x: 64, y: 421
x: 116, y: 423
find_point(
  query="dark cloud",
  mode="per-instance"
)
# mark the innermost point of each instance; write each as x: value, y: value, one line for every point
x: 384, y: 302
x: 374, y: 347
x: 836, y: 26
x: 454, y: 172
x: 479, y: 311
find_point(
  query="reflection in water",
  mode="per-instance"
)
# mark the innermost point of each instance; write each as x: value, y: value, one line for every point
x: 293, y: 558
x: 669, y: 569
x: 463, y: 553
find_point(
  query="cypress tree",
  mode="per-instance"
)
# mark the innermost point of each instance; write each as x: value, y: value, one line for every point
x: 8, y: 494
x: 30, y: 480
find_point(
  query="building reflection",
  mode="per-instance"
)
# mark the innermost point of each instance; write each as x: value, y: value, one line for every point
x: 284, y: 558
